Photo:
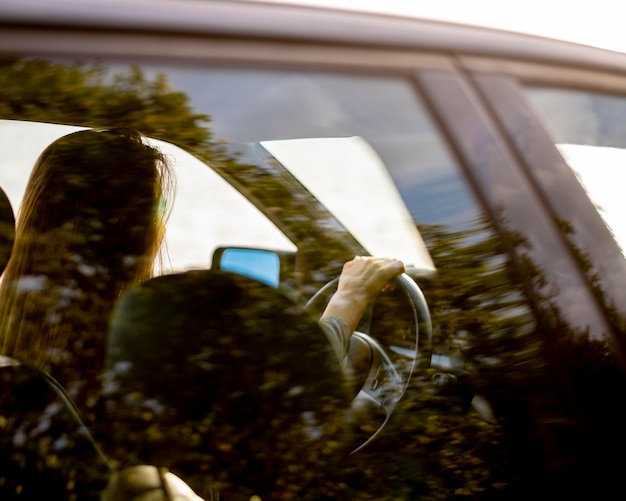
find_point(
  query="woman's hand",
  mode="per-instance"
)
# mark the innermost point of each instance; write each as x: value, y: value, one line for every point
x: 360, y: 282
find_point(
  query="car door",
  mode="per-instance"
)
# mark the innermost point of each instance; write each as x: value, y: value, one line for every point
x: 523, y: 363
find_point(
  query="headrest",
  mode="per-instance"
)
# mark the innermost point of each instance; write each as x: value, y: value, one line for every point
x: 233, y: 356
x: 7, y: 230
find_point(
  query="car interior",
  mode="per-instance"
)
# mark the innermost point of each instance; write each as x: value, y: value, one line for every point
x: 490, y: 370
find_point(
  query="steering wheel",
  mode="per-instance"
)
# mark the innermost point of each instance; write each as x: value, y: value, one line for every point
x: 369, y: 367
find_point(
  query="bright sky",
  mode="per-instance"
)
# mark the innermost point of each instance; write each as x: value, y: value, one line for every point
x: 593, y: 22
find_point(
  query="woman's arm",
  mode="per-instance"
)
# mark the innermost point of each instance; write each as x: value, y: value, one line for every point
x: 360, y: 282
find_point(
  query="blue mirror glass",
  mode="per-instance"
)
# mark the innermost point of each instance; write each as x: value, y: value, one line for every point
x: 260, y: 265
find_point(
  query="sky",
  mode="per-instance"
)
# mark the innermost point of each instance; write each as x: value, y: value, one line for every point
x: 599, y: 23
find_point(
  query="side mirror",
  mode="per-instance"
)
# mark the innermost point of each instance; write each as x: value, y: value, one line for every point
x: 261, y: 265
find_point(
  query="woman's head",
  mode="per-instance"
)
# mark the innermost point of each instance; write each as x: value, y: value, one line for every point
x: 103, y: 191
x: 91, y: 221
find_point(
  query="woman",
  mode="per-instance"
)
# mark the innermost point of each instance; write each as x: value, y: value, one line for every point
x: 91, y: 222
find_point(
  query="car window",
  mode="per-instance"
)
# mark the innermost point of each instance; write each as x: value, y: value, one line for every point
x: 588, y: 128
x: 482, y: 405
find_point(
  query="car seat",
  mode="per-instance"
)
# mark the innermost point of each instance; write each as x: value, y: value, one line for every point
x: 221, y: 379
x: 47, y: 450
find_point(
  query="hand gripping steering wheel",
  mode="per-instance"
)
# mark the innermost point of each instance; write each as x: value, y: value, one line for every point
x: 376, y: 379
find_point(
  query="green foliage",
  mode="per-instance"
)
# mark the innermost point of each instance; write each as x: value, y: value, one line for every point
x: 436, y: 446
x: 475, y: 305
x: 90, y: 95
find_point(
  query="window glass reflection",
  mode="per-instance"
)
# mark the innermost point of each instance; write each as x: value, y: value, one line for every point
x: 590, y: 131
x: 480, y: 419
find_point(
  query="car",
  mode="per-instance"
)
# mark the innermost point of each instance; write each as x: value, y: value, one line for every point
x: 489, y: 162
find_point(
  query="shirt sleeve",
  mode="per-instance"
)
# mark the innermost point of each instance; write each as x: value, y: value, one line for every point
x: 338, y: 333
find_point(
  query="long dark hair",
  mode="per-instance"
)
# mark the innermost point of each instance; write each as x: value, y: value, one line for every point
x: 91, y: 222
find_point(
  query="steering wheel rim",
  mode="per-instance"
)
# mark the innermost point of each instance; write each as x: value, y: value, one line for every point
x: 415, y: 296
x: 383, y: 385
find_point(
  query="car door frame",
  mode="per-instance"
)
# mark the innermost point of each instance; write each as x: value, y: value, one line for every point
x: 455, y: 93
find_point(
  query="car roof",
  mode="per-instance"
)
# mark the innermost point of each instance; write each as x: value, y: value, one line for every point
x: 301, y: 23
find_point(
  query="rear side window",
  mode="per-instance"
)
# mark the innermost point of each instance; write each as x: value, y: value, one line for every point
x: 589, y: 130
